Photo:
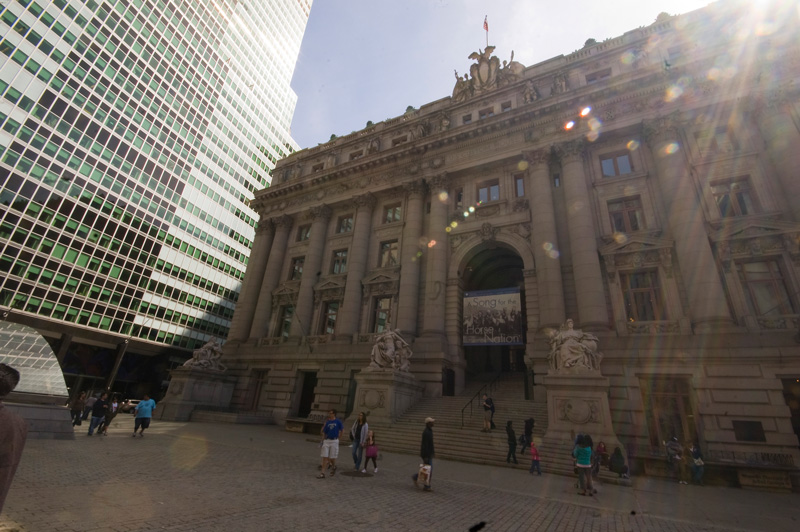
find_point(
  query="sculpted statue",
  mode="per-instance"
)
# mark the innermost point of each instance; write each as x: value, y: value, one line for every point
x: 207, y: 357
x: 511, y: 71
x: 559, y: 84
x: 463, y: 88
x: 573, y: 348
x: 390, y: 351
x: 374, y: 145
x: 486, y: 74
x: 530, y: 93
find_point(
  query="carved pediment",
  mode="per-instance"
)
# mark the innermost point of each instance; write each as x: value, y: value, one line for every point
x: 385, y: 275
x: 330, y: 288
x: 755, y: 236
x: 285, y: 293
x: 637, y: 251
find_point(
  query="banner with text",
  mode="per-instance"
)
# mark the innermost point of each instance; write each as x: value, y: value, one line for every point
x: 492, y: 317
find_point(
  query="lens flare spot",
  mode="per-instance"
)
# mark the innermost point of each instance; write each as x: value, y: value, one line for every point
x: 431, y: 243
x: 419, y: 253
x: 187, y: 453
x: 466, y: 214
x: 714, y: 74
x: 453, y: 224
x: 673, y: 93
x: 443, y: 196
x: 448, y: 229
x: 585, y: 111
x: 553, y: 254
x: 569, y: 125
x: 595, y: 124
x: 522, y: 165
x: 670, y: 148
x: 471, y: 209
x: 592, y: 136
x: 627, y: 58
x: 620, y: 238
x: 547, y: 246
x: 633, y: 145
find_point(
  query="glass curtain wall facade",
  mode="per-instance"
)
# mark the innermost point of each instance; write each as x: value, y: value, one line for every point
x: 133, y: 134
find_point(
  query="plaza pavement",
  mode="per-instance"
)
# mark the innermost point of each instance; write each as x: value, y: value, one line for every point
x: 230, y: 478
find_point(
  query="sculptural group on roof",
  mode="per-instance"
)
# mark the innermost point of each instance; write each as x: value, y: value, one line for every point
x: 486, y: 74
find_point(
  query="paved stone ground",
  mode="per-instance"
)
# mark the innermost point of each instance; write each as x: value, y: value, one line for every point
x: 216, y: 477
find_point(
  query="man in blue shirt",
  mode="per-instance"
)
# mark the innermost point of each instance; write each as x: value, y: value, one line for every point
x: 331, y: 432
x: 144, y: 411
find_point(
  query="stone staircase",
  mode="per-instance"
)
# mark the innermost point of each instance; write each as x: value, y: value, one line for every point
x: 467, y: 443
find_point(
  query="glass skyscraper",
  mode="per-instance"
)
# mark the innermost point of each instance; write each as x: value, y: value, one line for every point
x: 133, y: 134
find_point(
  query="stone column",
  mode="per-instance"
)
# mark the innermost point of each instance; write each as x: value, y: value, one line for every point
x: 251, y: 286
x: 592, y: 309
x: 260, y: 326
x: 350, y: 311
x: 707, y: 301
x: 301, y: 326
x: 436, y: 264
x: 544, y: 240
x: 409, y: 261
x: 781, y: 138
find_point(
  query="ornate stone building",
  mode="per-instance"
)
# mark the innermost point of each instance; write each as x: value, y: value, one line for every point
x: 646, y: 186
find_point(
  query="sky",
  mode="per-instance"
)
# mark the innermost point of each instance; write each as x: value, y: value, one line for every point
x: 367, y: 60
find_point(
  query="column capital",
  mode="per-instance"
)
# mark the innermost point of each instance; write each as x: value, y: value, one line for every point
x: 283, y: 221
x: 662, y: 129
x: 365, y: 201
x: 264, y: 226
x: 415, y: 189
x: 541, y: 156
x: 571, y: 151
x: 320, y: 213
x: 438, y: 183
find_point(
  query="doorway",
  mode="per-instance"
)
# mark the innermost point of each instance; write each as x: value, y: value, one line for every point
x: 308, y: 384
x: 669, y: 410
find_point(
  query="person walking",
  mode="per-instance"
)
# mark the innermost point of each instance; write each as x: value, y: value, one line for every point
x: 512, y: 444
x: 143, y: 414
x: 331, y: 432
x: 583, y: 462
x: 111, y: 413
x: 616, y: 464
x: 87, y: 406
x: 358, y: 435
x: 535, y: 459
x: 13, y: 433
x: 76, y: 407
x: 426, y: 451
x: 99, y: 410
x: 528, y: 432
x: 371, y: 449
x: 675, y: 460
x: 698, y: 465
x: 488, y: 413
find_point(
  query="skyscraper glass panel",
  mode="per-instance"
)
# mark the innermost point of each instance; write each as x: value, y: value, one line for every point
x: 133, y: 134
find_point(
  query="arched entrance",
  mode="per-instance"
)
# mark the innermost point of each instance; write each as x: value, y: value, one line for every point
x: 493, y: 334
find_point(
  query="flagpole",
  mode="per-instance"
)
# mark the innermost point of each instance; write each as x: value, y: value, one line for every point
x: 486, y: 27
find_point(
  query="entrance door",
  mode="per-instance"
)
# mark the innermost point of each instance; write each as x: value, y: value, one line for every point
x: 669, y: 411
x: 307, y: 393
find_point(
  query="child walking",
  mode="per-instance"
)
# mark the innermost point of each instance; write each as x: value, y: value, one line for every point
x: 371, y: 453
x: 535, y: 459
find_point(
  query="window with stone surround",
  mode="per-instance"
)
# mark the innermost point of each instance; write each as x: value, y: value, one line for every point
x: 765, y: 289
x: 641, y: 292
x: 458, y: 199
x: 400, y: 140
x: 297, y: 268
x: 381, y: 313
x: 716, y: 141
x: 317, y: 167
x: 626, y: 215
x: 488, y: 191
x: 285, y: 321
x: 356, y: 155
x: 486, y: 113
x: 735, y: 197
x: 388, y: 254
x: 466, y: 119
x: 392, y: 213
x: 600, y: 75
x: 339, y: 262
x: 329, y: 312
x: 344, y: 224
x: 519, y: 185
x: 303, y: 233
x: 616, y: 164
x: 505, y: 107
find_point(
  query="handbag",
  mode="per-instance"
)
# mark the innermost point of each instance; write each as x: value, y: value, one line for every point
x: 372, y: 451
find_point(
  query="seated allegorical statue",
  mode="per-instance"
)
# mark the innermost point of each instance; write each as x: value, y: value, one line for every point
x: 573, y: 348
x: 390, y: 351
x: 207, y: 357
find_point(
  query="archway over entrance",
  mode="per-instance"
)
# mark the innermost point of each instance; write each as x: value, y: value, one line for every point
x: 495, y: 268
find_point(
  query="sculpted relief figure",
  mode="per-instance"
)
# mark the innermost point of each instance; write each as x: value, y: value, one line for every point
x: 573, y: 348
x: 207, y: 357
x: 463, y: 88
x: 530, y: 93
x: 559, y: 84
x: 511, y: 71
x: 390, y: 351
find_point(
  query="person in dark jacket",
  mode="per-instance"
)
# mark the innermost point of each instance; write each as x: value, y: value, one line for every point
x: 529, y: 423
x: 512, y: 444
x: 616, y: 464
x: 426, y: 451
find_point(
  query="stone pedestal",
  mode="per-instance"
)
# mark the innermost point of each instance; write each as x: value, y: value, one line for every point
x: 386, y: 394
x: 189, y: 388
x: 577, y: 402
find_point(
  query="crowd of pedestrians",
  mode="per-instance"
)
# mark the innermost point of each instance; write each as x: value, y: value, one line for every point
x: 101, y: 411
